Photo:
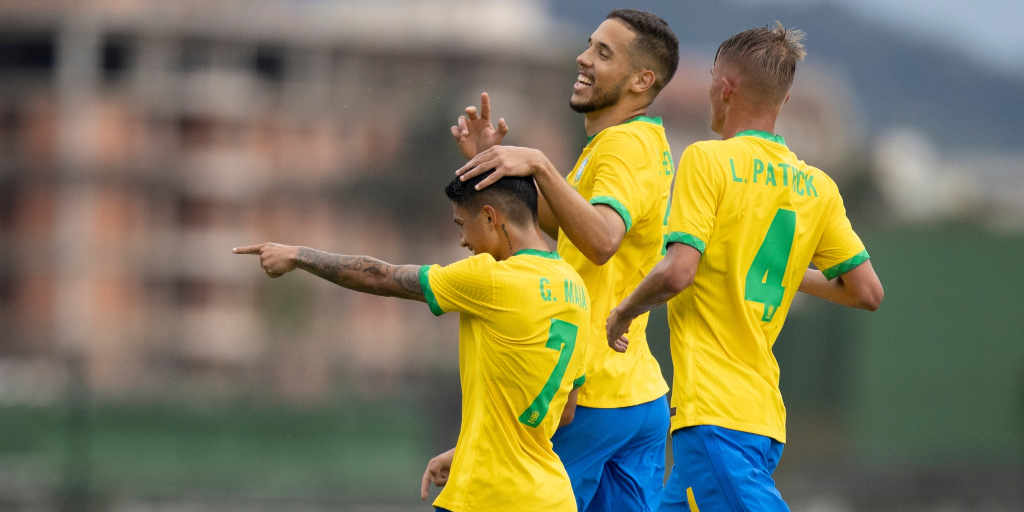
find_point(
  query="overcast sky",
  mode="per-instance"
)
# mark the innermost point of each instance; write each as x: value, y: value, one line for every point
x: 992, y: 30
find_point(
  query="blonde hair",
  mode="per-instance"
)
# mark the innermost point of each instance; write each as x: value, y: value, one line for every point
x: 766, y: 57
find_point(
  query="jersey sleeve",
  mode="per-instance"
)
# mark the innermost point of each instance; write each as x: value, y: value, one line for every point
x: 615, y: 177
x: 464, y: 286
x: 695, y: 200
x: 840, y: 249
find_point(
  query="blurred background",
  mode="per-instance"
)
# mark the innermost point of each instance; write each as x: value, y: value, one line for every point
x: 144, y: 367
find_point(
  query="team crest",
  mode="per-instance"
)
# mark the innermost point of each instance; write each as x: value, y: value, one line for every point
x: 579, y: 172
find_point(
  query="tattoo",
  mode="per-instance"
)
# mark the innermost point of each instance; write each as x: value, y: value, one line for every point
x: 507, y: 239
x: 361, y: 273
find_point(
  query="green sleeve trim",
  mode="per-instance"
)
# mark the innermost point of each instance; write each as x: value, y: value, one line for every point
x: 685, y: 238
x: 579, y: 382
x: 846, y: 266
x: 428, y: 294
x: 617, y: 206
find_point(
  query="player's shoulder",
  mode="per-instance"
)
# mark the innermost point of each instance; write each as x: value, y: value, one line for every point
x: 637, y: 133
x: 474, y: 263
x: 824, y: 184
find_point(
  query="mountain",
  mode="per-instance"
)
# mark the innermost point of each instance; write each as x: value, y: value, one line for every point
x: 897, y: 80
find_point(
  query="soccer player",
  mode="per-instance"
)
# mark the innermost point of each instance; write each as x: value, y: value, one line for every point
x: 523, y: 318
x: 609, y: 216
x: 747, y: 218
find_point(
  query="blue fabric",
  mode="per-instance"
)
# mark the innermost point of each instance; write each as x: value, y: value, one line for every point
x: 615, y: 458
x: 725, y: 469
x: 439, y: 509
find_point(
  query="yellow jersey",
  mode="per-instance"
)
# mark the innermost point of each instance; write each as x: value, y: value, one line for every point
x: 627, y: 167
x: 758, y: 215
x: 522, y: 339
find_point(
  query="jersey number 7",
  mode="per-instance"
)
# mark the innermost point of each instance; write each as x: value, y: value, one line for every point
x: 764, y: 279
x: 561, y: 337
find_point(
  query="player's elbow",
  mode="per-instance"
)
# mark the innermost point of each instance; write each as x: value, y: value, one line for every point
x: 871, y: 300
x: 678, y: 280
x: 601, y: 251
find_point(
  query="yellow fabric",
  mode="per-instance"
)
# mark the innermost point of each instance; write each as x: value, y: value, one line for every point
x: 508, y: 309
x: 726, y: 196
x: 627, y: 167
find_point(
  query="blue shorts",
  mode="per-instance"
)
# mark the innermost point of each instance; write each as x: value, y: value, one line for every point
x: 722, y: 469
x: 615, y: 458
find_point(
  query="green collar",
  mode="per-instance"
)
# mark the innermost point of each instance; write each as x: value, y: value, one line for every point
x: 551, y: 255
x: 646, y: 119
x: 764, y: 135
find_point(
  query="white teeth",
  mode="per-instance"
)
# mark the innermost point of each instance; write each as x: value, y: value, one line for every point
x: 584, y: 80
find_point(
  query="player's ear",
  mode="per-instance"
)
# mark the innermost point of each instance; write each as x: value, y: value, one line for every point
x: 490, y: 215
x: 786, y: 100
x: 728, y: 87
x: 644, y: 80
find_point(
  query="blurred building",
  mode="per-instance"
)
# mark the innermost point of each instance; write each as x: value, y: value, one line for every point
x: 140, y: 140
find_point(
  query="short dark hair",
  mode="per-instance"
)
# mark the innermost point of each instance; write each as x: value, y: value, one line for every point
x: 767, y: 57
x: 515, y: 197
x: 655, y: 47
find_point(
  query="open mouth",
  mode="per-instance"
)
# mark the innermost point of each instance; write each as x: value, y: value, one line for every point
x: 582, y: 82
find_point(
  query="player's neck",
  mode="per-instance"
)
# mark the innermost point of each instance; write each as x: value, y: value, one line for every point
x: 614, y: 115
x: 520, y: 239
x: 743, y: 121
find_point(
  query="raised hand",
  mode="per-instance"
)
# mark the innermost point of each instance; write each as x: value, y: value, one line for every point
x: 276, y: 260
x: 437, y: 472
x: 475, y: 133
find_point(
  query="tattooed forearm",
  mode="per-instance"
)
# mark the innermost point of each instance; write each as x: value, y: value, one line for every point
x: 408, y: 277
x: 362, y: 273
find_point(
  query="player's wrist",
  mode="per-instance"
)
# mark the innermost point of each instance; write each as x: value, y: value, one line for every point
x: 542, y: 169
x: 294, y: 255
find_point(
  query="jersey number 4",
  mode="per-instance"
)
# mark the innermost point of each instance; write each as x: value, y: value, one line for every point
x: 561, y: 337
x: 764, y: 279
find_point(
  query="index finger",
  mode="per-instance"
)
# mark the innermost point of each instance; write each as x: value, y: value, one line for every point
x: 485, y: 106
x: 425, y: 484
x: 249, y: 249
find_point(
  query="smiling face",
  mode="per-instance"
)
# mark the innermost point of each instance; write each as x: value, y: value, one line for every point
x: 604, y: 68
x: 478, y: 233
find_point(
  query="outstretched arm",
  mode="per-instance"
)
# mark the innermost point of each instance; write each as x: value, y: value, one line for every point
x: 670, y: 276
x: 858, y: 288
x: 596, y: 230
x: 359, y: 273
